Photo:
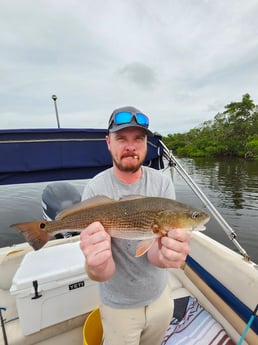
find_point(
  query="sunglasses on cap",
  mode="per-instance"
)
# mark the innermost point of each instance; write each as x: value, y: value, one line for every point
x: 124, y: 117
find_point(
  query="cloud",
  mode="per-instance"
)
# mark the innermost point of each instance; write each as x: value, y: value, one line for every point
x: 180, y: 62
x: 139, y: 74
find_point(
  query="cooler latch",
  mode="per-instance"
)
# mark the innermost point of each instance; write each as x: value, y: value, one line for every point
x: 35, y: 285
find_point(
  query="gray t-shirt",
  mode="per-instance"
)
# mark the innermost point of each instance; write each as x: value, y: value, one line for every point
x: 136, y: 282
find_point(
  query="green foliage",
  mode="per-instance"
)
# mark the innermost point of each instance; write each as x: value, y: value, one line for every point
x: 252, y: 146
x: 232, y: 133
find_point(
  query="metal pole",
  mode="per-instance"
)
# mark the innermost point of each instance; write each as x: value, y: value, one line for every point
x: 222, y: 222
x: 3, y: 326
x: 54, y: 97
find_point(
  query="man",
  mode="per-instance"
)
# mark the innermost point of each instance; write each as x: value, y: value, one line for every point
x: 136, y: 306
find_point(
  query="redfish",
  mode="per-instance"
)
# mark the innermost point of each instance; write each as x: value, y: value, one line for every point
x: 132, y: 218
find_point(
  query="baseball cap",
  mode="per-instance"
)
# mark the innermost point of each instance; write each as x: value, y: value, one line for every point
x: 128, y: 116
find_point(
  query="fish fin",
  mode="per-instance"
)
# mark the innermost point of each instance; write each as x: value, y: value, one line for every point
x: 85, y: 204
x: 33, y: 233
x: 131, y: 197
x: 144, y: 246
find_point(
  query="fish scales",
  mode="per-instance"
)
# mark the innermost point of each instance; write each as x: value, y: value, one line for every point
x: 134, y: 217
x: 123, y: 215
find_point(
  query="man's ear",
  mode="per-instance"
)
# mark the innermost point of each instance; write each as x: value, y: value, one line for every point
x: 108, y: 141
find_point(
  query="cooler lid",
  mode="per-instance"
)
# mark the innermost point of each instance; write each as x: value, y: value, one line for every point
x: 49, y: 264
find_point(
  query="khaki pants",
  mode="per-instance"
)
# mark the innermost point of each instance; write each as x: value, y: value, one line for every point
x: 138, y: 326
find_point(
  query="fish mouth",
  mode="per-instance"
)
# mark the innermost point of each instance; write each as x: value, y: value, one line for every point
x: 200, y: 227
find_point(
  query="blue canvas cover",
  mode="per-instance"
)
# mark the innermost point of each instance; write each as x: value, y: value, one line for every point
x: 37, y: 155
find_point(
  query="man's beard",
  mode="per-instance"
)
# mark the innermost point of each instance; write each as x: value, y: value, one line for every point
x: 133, y: 167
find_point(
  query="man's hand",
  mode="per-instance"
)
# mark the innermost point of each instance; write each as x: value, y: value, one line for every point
x: 170, y: 251
x: 96, y: 247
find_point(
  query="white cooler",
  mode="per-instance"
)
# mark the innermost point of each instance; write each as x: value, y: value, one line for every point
x: 51, y: 286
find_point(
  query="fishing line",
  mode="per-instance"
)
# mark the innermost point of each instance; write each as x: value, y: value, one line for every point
x: 247, y: 327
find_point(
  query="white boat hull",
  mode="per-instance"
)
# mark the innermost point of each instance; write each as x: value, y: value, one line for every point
x: 233, y: 273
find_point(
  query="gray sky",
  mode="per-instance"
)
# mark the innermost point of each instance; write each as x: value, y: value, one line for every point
x: 178, y: 61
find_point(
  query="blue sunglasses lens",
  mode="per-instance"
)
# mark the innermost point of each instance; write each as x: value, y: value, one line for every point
x: 142, y: 119
x: 123, y: 117
x: 126, y: 117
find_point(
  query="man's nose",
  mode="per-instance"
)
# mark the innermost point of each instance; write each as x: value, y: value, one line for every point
x: 130, y: 147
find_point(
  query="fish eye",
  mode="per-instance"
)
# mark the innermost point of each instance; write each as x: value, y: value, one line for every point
x: 155, y: 228
x: 42, y: 225
x: 195, y: 215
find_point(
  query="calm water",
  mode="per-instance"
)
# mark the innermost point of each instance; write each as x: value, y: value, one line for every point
x: 231, y: 185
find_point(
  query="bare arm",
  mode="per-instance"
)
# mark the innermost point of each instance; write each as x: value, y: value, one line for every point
x: 96, y: 247
x: 170, y: 251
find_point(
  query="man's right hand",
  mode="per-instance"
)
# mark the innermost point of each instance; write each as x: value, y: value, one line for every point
x: 96, y: 247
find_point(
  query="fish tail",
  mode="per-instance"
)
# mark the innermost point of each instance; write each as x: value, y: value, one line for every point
x: 33, y: 233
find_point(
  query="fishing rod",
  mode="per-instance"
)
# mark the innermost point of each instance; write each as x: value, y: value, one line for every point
x: 173, y: 162
x: 3, y: 326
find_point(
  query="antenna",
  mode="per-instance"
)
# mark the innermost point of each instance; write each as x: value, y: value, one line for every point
x: 54, y: 97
